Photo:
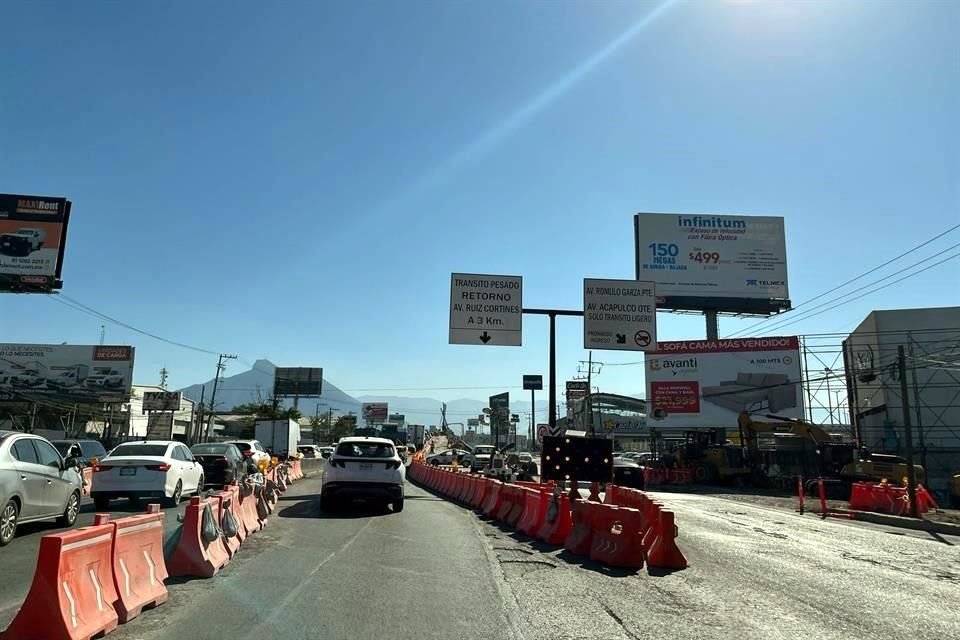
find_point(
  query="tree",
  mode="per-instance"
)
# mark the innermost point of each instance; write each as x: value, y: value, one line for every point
x: 341, y: 428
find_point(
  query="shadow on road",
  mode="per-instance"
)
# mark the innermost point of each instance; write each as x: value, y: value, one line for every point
x: 309, y: 507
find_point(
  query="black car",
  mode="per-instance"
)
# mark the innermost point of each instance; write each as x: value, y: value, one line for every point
x: 83, y: 451
x: 222, y: 463
x: 627, y: 473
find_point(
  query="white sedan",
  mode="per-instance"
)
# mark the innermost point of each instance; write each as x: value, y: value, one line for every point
x: 148, y: 469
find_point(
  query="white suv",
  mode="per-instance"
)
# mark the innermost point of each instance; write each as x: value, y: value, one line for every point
x: 364, y: 468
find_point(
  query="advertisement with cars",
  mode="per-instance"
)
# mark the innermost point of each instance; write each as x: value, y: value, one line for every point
x: 707, y: 383
x: 374, y: 411
x: 712, y: 257
x: 32, y: 234
x: 71, y: 373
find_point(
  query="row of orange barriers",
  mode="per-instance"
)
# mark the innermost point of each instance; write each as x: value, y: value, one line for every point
x: 89, y: 580
x: 654, y: 476
x: 887, y: 498
x: 628, y: 530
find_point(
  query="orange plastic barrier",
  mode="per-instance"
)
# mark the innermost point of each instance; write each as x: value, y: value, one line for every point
x: 534, y: 514
x: 557, y: 523
x: 516, y: 510
x: 248, y: 509
x: 138, y: 565
x: 664, y: 553
x: 221, y: 506
x: 237, y: 510
x: 195, y: 555
x: 72, y: 593
x: 494, y: 498
x: 87, y: 475
x: 509, y: 494
x: 581, y: 534
x: 887, y: 498
x: 619, y: 543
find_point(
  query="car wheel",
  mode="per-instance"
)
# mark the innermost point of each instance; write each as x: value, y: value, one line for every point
x: 200, y: 486
x: 71, y: 511
x: 102, y: 503
x: 177, y: 494
x: 398, y: 505
x: 435, y: 462
x: 8, y: 522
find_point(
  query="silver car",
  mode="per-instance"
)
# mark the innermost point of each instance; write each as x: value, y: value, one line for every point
x: 35, y: 483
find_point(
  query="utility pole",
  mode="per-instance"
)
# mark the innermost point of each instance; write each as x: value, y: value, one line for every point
x: 907, y: 431
x: 916, y: 405
x: 588, y: 409
x: 213, y: 396
x: 163, y: 378
x: 199, y: 425
x: 103, y: 333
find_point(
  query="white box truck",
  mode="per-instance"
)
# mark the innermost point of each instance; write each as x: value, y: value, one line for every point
x: 279, y: 437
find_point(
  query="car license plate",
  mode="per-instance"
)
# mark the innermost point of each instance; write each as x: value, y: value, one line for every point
x: 128, y: 471
x: 366, y: 467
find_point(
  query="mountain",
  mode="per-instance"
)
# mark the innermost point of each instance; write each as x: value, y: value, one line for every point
x: 257, y: 384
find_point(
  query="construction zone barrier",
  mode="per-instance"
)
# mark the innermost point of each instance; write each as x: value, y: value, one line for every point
x: 653, y: 476
x: 886, y: 498
x: 72, y: 593
x: 226, y: 522
x: 138, y: 565
x: 628, y: 530
x: 200, y: 552
x: 86, y: 477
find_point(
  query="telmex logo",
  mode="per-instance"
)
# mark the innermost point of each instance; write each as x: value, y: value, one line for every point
x: 765, y: 283
x: 688, y: 363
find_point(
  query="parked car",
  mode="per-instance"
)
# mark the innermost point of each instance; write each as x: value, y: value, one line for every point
x: 86, y: 452
x: 363, y: 468
x: 627, y: 473
x: 36, y: 483
x: 309, y: 450
x: 147, y: 469
x: 104, y: 377
x: 447, y: 456
x: 27, y: 378
x: 22, y: 242
x: 326, y: 452
x: 222, y: 463
x: 252, y: 449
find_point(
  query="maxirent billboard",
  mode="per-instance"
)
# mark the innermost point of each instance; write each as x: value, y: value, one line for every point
x: 33, y: 231
x: 707, y: 383
x: 713, y: 262
x: 66, y: 373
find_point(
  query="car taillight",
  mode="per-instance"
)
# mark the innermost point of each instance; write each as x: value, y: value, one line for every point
x: 158, y: 467
x: 393, y: 464
x: 222, y: 461
x: 100, y: 467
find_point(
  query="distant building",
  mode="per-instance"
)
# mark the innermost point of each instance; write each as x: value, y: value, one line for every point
x: 931, y: 340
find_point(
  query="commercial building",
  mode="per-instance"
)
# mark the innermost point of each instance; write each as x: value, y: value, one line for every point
x: 133, y: 422
x: 931, y: 342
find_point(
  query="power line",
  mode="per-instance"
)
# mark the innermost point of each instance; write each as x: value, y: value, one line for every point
x: 852, y: 280
x: 835, y: 302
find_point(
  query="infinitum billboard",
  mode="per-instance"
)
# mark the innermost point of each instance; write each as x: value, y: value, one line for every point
x: 65, y: 373
x: 33, y: 230
x: 707, y: 383
x: 712, y: 262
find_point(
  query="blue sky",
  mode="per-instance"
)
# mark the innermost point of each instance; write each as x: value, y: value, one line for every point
x: 296, y: 181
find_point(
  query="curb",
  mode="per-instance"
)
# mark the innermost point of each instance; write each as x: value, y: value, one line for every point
x: 903, y: 523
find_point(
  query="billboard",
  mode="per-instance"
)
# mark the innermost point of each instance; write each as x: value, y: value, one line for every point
x: 533, y: 383
x: 297, y: 381
x: 161, y: 401
x: 374, y: 411
x: 712, y: 262
x: 33, y: 230
x: 68, y: 373
x: 707, y: 383
x: 576, y: 391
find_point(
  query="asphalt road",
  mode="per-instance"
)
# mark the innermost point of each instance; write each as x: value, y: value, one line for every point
x: 19, y: 558
x: 437, y: 570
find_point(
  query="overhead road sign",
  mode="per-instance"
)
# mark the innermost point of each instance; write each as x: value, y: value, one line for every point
x: 33, y: 232
x: 532, y: 383
x: 301, y: 382
x: 161, y: 401
x: 619, y: 315
x: 706, y: 262
x: 486, y: 309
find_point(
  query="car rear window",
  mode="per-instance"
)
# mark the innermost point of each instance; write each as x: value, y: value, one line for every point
x: 364, y: 450
x: 140, y: 450
x: 209, y: 448
x: 243, y: 446
x: 92, y: 449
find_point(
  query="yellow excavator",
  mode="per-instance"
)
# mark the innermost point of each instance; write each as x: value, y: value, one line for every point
x: 832, y: 460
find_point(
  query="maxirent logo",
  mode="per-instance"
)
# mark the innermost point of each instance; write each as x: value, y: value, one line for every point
x: 670, y: 363
x: 37, y: 206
